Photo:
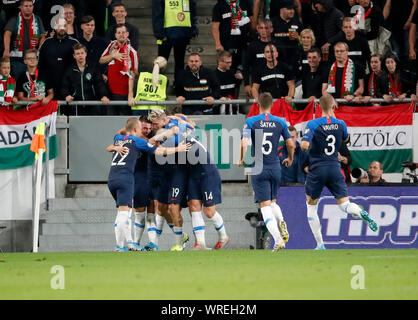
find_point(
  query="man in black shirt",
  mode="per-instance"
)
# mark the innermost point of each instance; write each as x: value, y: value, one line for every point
x: 358, y: 46
x: 227, y: 83
x: 254, y: 55
x: 120, y: 13
x: 231, y: 26
x: 274, y: 76
x: 33, y: 85
x: 197, y: 83
x: 95, y: 46
x: 286, y: 28
x: 82, y: 82
x: 313, y: 77
x: 55, y: 55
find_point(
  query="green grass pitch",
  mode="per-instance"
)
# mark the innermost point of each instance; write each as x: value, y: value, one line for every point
x: 198, y: 275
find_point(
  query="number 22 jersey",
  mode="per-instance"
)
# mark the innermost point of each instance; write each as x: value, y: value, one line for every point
x: 126, y: 164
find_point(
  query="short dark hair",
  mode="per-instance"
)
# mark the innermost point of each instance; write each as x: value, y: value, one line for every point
x: 195, y: 54
x: 86, y: 19
x: 144, y: 119
x: 79, y: 46
x: 292, y: 128
x: 23, y: 1
x: 315, y: 49
x: 118, y: 4
x: 120, y: 25
x: 223, y: 54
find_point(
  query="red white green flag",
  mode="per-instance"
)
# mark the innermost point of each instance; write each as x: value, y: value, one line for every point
x: 17, y: 128
x: 383, y: 133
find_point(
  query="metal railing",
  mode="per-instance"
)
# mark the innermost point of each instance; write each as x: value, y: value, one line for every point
x: 197, y: 102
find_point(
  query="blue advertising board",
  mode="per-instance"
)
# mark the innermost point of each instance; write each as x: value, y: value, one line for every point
x: 394, y: 208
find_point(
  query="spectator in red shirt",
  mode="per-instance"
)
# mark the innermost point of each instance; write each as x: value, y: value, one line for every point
x: 122, y: 61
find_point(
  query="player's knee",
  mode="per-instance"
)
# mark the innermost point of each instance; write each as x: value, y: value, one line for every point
x: 194, y: 205
x: 209, y: 211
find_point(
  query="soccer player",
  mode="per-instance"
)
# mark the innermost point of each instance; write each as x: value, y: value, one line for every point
x: 204, y: 189
x: 324, y: 137
x: 264, y: 131
x: 173, y: 186
x: 142, y: 200
x: 121, y: 176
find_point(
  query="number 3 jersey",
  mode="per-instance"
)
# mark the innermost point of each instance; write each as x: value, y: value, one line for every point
x: 325, y: 136
x: 126, y: 164
x: 265, y: 131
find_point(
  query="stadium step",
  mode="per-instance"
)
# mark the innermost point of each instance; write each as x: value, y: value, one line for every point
x: 230, y: 202
x: 108, y: 216
x: 86, y: 222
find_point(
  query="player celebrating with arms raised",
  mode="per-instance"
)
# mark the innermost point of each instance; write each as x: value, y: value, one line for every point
x: 324, y: 136
x: 265, y: 130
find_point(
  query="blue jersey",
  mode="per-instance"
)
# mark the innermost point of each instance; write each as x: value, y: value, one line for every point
x: 325, y: 136
x: 126, y: 163
x: 185, y: 131
x: 265, y: 131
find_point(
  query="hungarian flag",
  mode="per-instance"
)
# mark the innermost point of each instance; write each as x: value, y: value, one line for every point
x: 381, y: 133
x: 299, y: 119
x: 17, y: 130
x: 280, y: 108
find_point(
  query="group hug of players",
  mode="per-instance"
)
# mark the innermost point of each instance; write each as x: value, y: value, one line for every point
x: 169, y: 168
x: 159, y: 167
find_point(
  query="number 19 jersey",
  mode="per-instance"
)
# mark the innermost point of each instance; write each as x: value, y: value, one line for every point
x: 325, y: 136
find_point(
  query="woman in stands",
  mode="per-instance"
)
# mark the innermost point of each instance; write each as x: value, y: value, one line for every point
x: 393, y: 83
x: 371, y: 79
x: 306, y: 42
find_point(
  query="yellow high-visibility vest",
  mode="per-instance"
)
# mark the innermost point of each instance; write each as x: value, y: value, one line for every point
x: 177, y: 13
x: 146, y: 92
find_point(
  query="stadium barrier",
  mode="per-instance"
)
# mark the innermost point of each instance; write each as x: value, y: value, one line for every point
x: 394, y: 207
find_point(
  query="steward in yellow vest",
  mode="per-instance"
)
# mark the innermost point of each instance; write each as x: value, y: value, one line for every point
x: 151, y: 87
x: 174, y: 21
x: 174, y: 24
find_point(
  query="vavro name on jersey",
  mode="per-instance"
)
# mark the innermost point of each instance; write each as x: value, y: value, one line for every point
x: 333, y: 126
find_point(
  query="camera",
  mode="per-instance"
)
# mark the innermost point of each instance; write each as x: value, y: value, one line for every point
x: 410, y: 165
x: 409, y: 175
x: 359, y: 173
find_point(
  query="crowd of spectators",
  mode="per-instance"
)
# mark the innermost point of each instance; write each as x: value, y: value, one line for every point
x: 353, y: 49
